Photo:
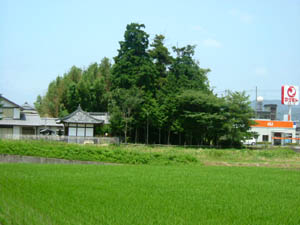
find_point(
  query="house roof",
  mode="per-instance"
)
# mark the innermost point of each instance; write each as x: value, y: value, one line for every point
x: 30, y: 120
x: 50, y: 122
x: 26, y: 106
x: 100, y: 116
x: 80, y: 116
x: 1, y: 96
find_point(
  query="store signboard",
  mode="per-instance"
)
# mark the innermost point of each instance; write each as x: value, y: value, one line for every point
x: 274, y: 124
x: 290, y: 95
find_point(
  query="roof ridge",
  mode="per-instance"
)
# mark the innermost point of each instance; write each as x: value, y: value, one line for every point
x: 1, y: 96
x: 79, y: 109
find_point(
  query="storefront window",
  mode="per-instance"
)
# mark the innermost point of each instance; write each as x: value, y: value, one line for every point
x: 288, y: 136
x: 265, y: 138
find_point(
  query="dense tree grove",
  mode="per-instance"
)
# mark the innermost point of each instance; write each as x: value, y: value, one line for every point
x: 152, y: 96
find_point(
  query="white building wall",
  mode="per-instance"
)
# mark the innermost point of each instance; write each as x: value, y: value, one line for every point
x: 270, y: 130
x: 16, y: 132
x: 81, y: 131
x: 298, y: 136
x: 6, y: 103
x: 16, y: 113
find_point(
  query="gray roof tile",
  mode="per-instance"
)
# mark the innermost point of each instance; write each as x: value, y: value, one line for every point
x: 80, y: 116
x: 30, y: 120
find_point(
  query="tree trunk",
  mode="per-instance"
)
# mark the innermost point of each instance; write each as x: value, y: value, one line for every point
x: 169, y: 133
x: 125, y: 132
x: 147, y: 130
x: 136, y: 135
x: 159, y: 135
x: 179, y: 138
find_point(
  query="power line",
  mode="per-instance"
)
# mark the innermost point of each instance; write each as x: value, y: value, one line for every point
x: 271, y: 94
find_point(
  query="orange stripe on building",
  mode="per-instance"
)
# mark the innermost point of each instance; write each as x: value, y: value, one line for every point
x: 285, y: 138
x: 273, y: 123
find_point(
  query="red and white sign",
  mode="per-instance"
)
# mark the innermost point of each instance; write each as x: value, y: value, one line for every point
x: 290, y: 95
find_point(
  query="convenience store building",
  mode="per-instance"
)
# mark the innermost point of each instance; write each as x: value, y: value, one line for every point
x: 275, y: 132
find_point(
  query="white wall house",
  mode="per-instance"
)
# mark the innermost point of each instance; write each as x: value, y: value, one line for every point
x: 83, y: 124
x: 19, y: 120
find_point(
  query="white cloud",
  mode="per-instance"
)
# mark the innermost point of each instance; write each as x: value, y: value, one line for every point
x: 261, y: 71
x: 212, y: 43
x: 242, y: 16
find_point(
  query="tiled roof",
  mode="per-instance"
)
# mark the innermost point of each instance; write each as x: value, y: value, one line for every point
x: 80, y: 116
x: 26, y: 106
x: 100, y: 116
x: 30, y: 120
x: 50, y: 122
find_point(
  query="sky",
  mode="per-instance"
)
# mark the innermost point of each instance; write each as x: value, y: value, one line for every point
x: 246, y: 44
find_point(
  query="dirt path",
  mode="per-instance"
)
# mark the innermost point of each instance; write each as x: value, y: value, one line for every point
x: 261, y: 164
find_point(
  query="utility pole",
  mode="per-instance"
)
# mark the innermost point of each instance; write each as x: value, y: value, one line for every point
x: 256, y: 102
x: 290, y: 113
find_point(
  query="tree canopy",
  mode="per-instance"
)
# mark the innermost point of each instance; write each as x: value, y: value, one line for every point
x: 153, y: 95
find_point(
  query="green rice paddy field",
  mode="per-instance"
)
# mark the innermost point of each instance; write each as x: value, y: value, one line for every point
x: 148, y: 194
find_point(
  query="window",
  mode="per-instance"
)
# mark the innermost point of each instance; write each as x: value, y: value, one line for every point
x: 28, y: 131
x: 289, y: 137
x: 265, y: 138
x: 80, y: 132
x: 72, y: 131
x: 6, y: 130
x: 89, y: 132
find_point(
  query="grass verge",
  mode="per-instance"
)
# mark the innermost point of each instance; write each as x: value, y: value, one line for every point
x: 112, y: 153
x: 130, y: 154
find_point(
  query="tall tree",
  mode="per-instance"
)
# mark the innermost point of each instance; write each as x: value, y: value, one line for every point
x: 200, y: 114
x: 133, y: 66
x: 123, y: 104
x: 88, y: 87
x: 151, y: 96
x: 72, y: 97
x: 105, y: 70
x: 187, y: 71
x: 238, y: 121
x: 161, y: 58
x: 149, y: 112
